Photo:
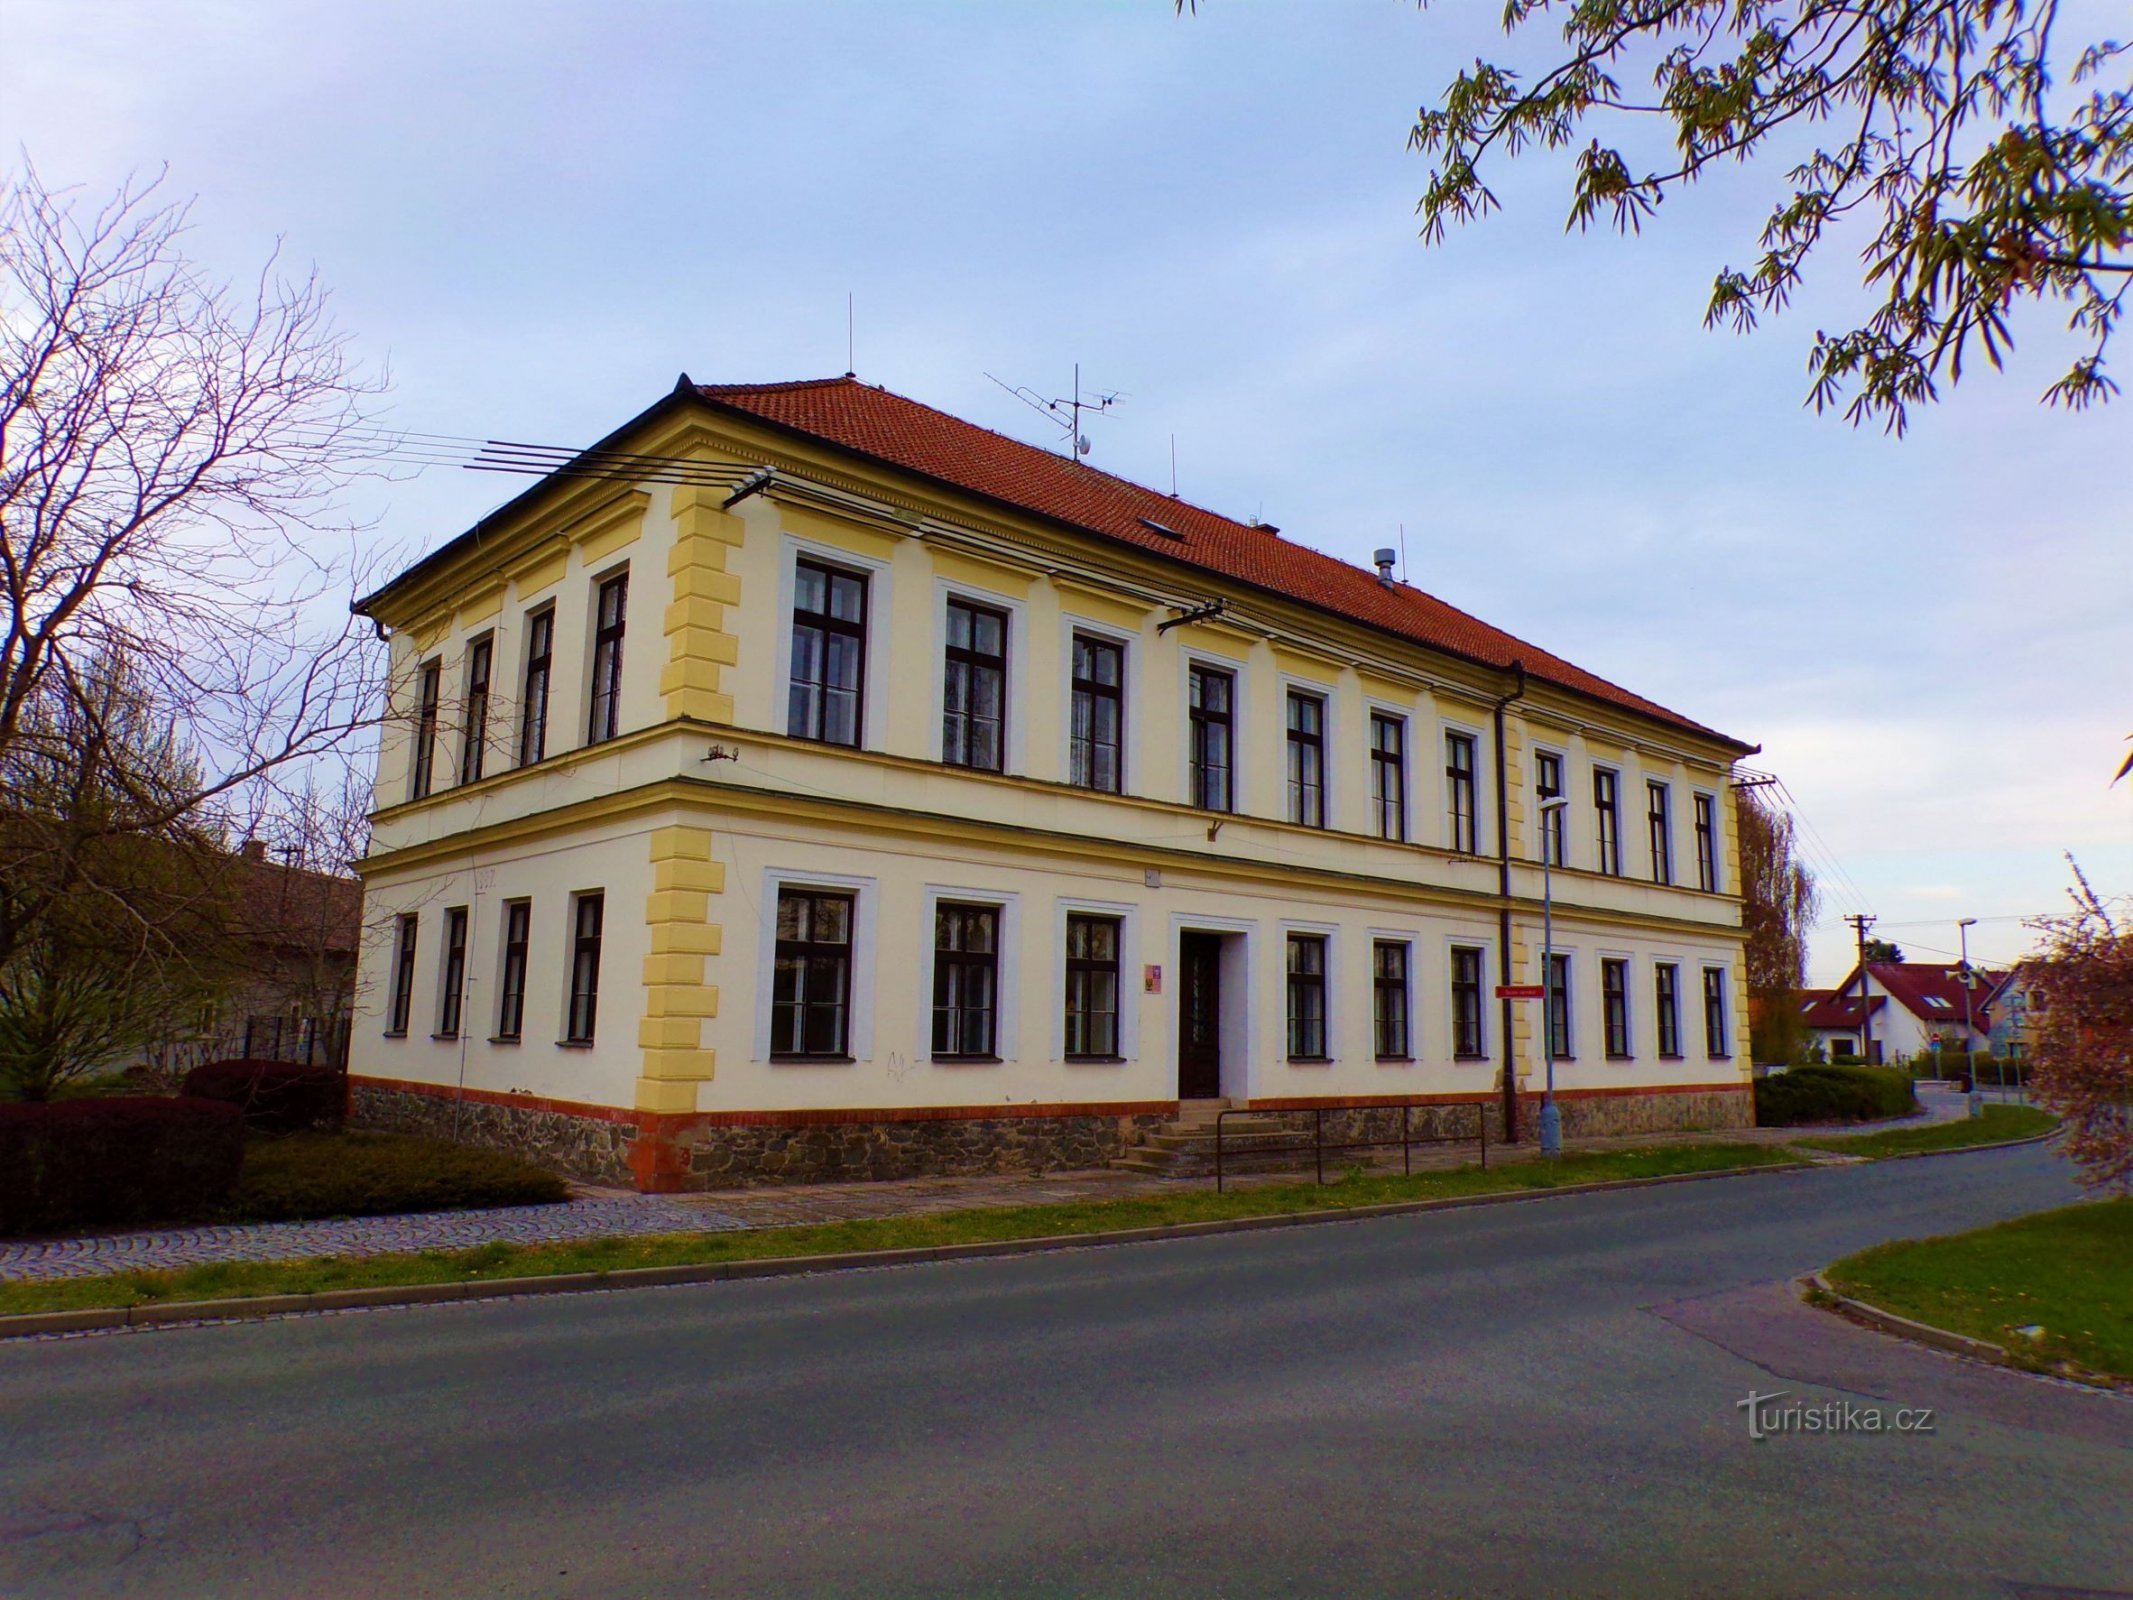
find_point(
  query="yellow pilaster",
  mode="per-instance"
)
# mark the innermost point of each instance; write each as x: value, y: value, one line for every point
x: 699, y: 646
x: 677, y: 997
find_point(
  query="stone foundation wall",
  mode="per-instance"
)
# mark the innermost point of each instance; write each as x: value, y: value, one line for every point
x: 581, y: 1147
x: 1584, y: 1116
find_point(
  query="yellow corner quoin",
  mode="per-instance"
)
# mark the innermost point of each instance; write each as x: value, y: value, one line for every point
x: 677, y: 999
x: 699, y: 647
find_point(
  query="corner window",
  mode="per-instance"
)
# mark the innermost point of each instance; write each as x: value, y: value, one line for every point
x: 1614, y: 1004
x: 1560, y: 1043
x: 608, y: 619
x: 586, y: 916
x: 452, y: 982
x: 1607, y: 811
x: 533, y: 704
x: 1666, y: 1007
x: 1307, y: 997
x: 829, y: 646
x: 1388, y: 774
x: 1707, y: 843
x: 974, y: 688
x: 511, y: 987
x: 966, y: 973
x: 1307, y: 759
x: 1714, y: 1013
x: 1548, y: 785
x: 1657, y: 817
x: 427, y: 687
x: 810, y: 1002
x: 1091, y: 988
x: 1388, y: 1000
x: 1468, y: 1041
x: 1095, y: 757
x: 474, y: 754
x: 1211, y: 693
x: 1459, y: 791
x: 403, y: 995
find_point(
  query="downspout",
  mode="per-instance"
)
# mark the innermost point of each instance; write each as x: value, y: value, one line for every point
x: 1503, y: 912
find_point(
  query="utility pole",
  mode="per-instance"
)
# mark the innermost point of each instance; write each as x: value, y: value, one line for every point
x: 1860, y: 922
x: 1962, y: 934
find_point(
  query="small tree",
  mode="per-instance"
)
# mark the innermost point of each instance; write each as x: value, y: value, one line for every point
x: 2081, y: 1034
x: 1779, y: 898
x: 1884, y: 950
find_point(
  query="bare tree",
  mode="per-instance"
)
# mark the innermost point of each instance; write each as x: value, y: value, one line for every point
x: 171, y: 455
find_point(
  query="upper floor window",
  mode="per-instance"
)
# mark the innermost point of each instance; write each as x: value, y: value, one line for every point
x: 811, y: 988
x: 608, y: 617
x: 1307, y: 759
x: 452, y: 987
x: 1388, y: 999
x: 1467, y: 1039
x: 1096, y: 752
x: 587, y: 917
x: 1459, y: 791
x: 966, y: 979
x: 1714, y: 1012
x: 1666, y: 1006
x: 1092, y: 988
x: 1707, y: 843
x: 1657, y: 816
x: 511, y: 991
x: 1548, y: 785
x: 1607, y: 808
x: 403, y: 992
x: 1559, y: 1038
x: 427, y: 688
x: 533, y: 704
x: 1211, y: 692
x: 829, y: 640
x: 474, y: 754
x: 1614, y: 1005
x: 1388, y: 774
x: 974, y: 689
x: 1307, y: 997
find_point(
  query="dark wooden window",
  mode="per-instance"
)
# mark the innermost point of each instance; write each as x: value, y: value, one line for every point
x: 1307, y: 759
x: 451, y: 990
x: 1548, y: 785
x: 1657, y: 814
x: 1666, y: 1007
x: 829, y: 648
x: 1388, y: 773
x: 1707, y: 843
x: 474, y: 754
x: 1714, y: 1013
x: 1561, y: 1043
x: 587, y: 915
x: 511, y: 991
x: 403, y: 996
x: 974, y: 688
x: 608, y: 620
x: 1307, y: 997
x: 1467, y: 1038
x: 1211, y: 693
x: 811, y: 994
x: 1614, y: 1004
x: 1459, y: 790
x: 966, y: 980
x: 1607, y: 809
x: 1388, y: 1000
x: 425, y: 766
x: 1091, y: 988
x: 540, y: 669
x: 1096, y: 756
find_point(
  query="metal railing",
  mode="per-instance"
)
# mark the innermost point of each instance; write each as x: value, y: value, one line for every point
x: 1316, y: 1141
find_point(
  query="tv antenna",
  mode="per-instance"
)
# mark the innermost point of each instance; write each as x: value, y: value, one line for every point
x: 1066, y: 412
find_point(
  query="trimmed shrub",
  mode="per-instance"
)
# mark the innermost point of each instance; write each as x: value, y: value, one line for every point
x: 373, y: 1174
x: 136, y: 1158
x: 1833, y: 1094
x: 275, y: 1096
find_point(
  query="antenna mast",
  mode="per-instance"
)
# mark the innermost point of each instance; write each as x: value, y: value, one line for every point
x: 1066, y: 411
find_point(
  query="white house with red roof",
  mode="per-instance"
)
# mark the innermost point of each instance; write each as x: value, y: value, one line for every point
x: 1911, y: 1007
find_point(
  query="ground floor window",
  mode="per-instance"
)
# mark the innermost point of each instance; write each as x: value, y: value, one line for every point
x: 1091, y: 987
x: 1559, y: 1038
x: 403, y: 996
x: 511, y: 990
x: 811, y: 989
x: 966, y: 989
x: 1666, y: 1006
x: 1614, y: 999
x: 1307, y: 997
x: 587, y: 915
x: 1388, y: 985
x: 1714, y: 1012
x: 452, y: 982
x: 1467, y: 1039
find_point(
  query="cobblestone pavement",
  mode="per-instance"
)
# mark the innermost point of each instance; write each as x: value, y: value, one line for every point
x: 597, y: 1213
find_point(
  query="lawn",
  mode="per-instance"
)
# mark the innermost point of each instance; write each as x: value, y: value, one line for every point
x: 223, y: 1281
x: 304, y: 1175
x: 2067, y: 1274
x: 1997, y: 1125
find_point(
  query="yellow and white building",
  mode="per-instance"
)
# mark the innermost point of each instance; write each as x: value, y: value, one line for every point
x: 807, y: 783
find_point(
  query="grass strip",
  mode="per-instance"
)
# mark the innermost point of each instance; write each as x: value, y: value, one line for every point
x: 226, y: 1280
x: 1996, y: 1126
x: 2066, y: 1274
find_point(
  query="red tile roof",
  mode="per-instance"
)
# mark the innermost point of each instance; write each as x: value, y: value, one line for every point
x: 1824, y: 1008
x: 901, y: 433
x: 1931, y: 992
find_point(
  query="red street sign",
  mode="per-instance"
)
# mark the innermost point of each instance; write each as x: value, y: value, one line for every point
x: 1519, y: 991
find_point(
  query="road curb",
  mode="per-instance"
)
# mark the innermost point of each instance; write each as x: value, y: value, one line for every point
x: 252, y: 1307
x: 1817, y: 1290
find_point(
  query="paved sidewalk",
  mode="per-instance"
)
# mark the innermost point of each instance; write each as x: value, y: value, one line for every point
x: 600, y: 1213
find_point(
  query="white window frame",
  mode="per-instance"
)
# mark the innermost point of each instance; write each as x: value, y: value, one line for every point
x: 1014, y: 756
x: 1562, y: 760
x: 1007, y: 972
x: 1574, y: 986
x: 1240, y: 705
x: 873, y: 718
x: 1335, y: 970
x: 1406, y: 715
x: 866, y: 906
x: 1129, y: 748
x: 1329, y: 747
x: 1413, y: 942
x: 1486, y: 944
x: 1129, y: 970
x: 1629, y: 962
x: 1718, y: 836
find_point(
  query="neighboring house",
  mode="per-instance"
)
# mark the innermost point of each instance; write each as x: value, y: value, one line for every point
x: 807, y: 782
x: 2011, y: 1007
x: 1911, y: 1006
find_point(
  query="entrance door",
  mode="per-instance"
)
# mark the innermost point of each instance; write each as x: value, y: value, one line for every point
x: 1199, y: 1016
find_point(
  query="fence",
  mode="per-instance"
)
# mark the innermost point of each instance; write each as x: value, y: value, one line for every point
x: 1316, y: 1141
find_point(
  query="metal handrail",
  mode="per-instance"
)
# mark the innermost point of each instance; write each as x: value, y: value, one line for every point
x: 1407, y: 1140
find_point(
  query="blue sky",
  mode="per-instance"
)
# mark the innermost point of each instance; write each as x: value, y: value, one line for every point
x: 538, y: 214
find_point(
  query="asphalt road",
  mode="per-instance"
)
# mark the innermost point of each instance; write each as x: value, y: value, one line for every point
x: 1536, y: 1399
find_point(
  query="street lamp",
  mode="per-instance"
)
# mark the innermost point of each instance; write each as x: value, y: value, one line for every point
x: 1551, y: 1118
x: 1962, y: 935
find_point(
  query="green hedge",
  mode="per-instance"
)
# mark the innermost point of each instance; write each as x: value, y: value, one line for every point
x: 372, y: 1174
x: 68, y: 1164
x: 1833, y: 1094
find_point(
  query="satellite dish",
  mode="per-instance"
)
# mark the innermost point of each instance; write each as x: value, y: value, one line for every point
x: 1081, y: 445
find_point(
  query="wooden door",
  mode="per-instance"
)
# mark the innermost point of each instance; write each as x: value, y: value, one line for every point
x: 1199, y: 1016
